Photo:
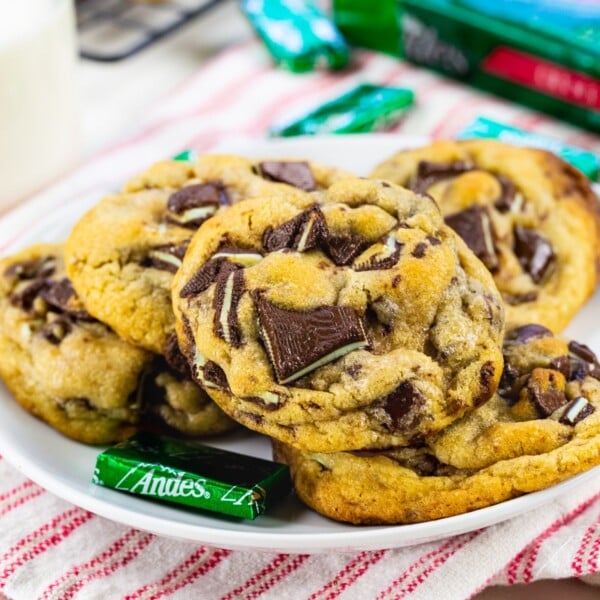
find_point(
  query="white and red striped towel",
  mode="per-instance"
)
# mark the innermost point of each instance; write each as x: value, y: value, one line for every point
x: 50, y: 549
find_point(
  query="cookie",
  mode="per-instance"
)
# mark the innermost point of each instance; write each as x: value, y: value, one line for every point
x: 349, y: 318
x: 542, y: 427
x: 72, y: 371
x: 529, y: 216
x: 122, y: 254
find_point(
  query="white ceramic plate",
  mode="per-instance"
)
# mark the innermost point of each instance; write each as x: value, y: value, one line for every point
x: 65, y: 467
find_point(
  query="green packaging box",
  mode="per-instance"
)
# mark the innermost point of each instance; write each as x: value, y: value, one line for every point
x: 538, y: 62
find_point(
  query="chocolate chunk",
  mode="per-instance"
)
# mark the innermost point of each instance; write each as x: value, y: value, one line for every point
x: 508, y: 387
x: 61, y: 296
x: 579, y: 369
x: 24, y: 296
x: 215, y: 375
x: 167, y: 257
x: 298, y: 342
x: 594, y: 371
x: 534, y: 252
x: 486, y: 383
x: 245, y: 257
x: 343, y: 249
x: 305, y: 231
x: 577, y: 410
x: 192, y: 205
x: 516, y: 299
x: 33, y: 269
x: 269, y: 401
x: 175, y: 358
x: 474, y: 226
x: 419, y: 250
x: 545, y: 399
x: 206, y: 275
x: 520, y: 335
x: 404, y: 406
x: 229, y: 290
x: 508, y: 198
x: 385, y: 258
x: 561, y: 364
x: 582, y: 351
x: 293, y: 173
x: 430, y: 173
x: 433, y: 240
x: 57, y: 330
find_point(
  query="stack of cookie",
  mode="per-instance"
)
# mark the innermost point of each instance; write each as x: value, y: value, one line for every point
x: 394, y: 336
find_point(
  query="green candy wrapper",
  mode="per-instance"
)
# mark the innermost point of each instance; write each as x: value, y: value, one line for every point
x: 587, y: 162
x: 297, y: 34
x: 186, y: 156
x: 365, y: 108
x: 192, y: 474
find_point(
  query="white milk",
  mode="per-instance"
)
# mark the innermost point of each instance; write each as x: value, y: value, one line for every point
x: 39, y: 117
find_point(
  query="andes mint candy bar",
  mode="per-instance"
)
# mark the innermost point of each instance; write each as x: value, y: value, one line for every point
x: 304, y: 232
x: 167, y: 257
x: 475, y: 227
x: 192, y: 205
x: 534, y: 252
x: 429, y: 173
x: 365, y: 108
x: 197, y: 476
x: 229, y: 290
x: 299, y: 342
x: 379, y: 256
x: 343, y: 249
x: 296, y: 173
x: 576, y: 411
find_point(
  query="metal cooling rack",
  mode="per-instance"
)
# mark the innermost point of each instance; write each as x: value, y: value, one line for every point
x: 111, y: 30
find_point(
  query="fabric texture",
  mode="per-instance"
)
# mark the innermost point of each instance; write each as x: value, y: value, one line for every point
x: 50, y: 549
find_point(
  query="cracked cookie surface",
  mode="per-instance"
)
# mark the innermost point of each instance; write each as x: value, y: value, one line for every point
x: 70, y: 370
x: 528, y: 215
x: 343, y: 319
x: 542, y: 427
x: 122, y: 254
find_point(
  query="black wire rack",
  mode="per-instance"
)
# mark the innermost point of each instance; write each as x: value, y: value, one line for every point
x: 111, y: 30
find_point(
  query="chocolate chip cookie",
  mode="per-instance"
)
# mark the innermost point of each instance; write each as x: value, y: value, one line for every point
x: 529, y: 216
x: 122, y: 254
x: 72, y: 371
x: 542, y: 427
x: 342, y: 319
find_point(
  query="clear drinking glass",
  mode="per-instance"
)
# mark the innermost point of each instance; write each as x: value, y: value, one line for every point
x: 39, y: 108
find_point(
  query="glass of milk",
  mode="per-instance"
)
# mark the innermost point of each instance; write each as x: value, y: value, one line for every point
x: 39, y: 112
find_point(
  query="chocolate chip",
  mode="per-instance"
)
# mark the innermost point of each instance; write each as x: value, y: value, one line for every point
x: 419, y: 250
x: 298, y: 342
x: 25, y: 295
x: 430, y: 173
x: 343, y: 249
x: 385, y: 258
x: 547, y: 400
x: 582, y: 351
x: 577, y: 410
x: 508, y: 387
x: 534, y: 252
x: 508, y: 194
x: 192, y: 205
x: 57, y: 330
x: 520, y: 335
x: 293, y: 173
x: 228, y: 292
x: 205, y: 276
x: 404, y: 406
x: 433, y: 240
x: 60, y: 295
x: 305, y: 231
x: 486, y: 383
x: 33, y: 269
x: 167, y: 257
x: 561, y: 364
x: 516, y: 299
x: 175, y: 358
x: 474, y: 226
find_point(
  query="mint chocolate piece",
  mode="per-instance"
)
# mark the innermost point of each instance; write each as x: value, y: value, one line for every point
x: 385, y: 259
x: 175, y: 358
x: 61, y: 296
x: 582, y: 351
x: 576, y: 411
x: 429, y: 173
x: 404, y: 406
x: 545, y: 401
x: 343, y: 249
x: 26, y: 293
x: 229, y: 290
x: 57, y: 330
x: 167, y: 257
x: 474, y: 226
x: 192, y: 205
x: 299, y: 342
x: 205, y: 276
x: 296, y: 173
x: 32, y: 269
x: 520, y: 335
x: 509, y: 200
x: 305, y: 231
x: 534, y: 252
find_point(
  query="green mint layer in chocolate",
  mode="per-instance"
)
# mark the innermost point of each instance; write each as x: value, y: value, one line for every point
x: 188, y: 473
